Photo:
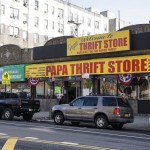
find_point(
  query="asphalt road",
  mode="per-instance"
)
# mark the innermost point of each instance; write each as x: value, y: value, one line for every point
x: 21, y: 135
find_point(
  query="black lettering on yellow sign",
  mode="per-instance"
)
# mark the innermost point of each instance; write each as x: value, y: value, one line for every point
x: 5, y: 78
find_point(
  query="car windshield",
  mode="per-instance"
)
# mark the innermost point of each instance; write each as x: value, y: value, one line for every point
x: 123, y: 102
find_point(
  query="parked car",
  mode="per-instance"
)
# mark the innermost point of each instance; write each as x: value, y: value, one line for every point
x: 11, y: 105
x: 102, y: 110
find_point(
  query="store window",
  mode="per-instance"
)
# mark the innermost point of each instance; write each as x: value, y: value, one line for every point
x: 108, y: 86
x: 40, y: 90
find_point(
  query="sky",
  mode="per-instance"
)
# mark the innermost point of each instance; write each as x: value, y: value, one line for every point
x: 133, y: 11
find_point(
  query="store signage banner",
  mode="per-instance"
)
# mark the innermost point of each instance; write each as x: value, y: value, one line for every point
x: 118, y: 65
x: 100, y: 43
x: 17, y: 72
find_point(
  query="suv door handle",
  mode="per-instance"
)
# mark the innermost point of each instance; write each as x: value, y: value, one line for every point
x: 95, y: 108
x: 79, y: 107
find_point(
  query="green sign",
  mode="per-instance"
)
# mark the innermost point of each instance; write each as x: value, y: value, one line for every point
x: 17, y: 72
x: 57, y: 90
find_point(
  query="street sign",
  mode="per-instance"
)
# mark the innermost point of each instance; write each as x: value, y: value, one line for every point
x: 6, y: 78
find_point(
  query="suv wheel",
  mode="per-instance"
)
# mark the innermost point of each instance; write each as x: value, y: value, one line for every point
x: 75, y: 123
x: 8, y: 114
x: 117, y: 126
x: 1, y: 116
x: 101, y: 121
x: 58, y: 118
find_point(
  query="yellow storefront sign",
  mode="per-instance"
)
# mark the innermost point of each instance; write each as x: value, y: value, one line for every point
x: 100, y: 43
x: 5, y: 78
x: 118, y: 65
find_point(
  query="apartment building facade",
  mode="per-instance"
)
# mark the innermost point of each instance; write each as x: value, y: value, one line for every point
x: 31, y: 23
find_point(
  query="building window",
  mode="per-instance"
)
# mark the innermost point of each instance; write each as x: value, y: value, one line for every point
x: 88, y: 33
x: 88, y: 22
x: 14, y: 13
x: 14, y: 31
x: 82, y: 32
x: 24, y: 35
x: 76, y: 18
x: 2, y: 9
x: 53, y: 10
x: 60, y: 13
x: 36, y: 5
x: 71, y: 16
x: 71, y: 30
x: 82, y: 19
x: 45, y: 38
x: 24, y: 18
x: 46, y: 24
x: 46, y: 8
x: 36, y: 21
x: 2, y: 28
x: 36, y: 38
x: 96, y: 25
x: 25, y: 3
x: 53, y: 25
x: 105, y: 27
x: 60, y: 28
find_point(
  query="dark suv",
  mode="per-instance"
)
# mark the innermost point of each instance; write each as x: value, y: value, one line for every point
x: 102, y: 110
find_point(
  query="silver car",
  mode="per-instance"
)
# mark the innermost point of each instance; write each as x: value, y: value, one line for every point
x: 102, y: 110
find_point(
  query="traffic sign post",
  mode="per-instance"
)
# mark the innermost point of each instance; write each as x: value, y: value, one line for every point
x: 5, y: 78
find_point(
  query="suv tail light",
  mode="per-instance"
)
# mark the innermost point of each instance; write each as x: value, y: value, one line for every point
x: 116, y: 111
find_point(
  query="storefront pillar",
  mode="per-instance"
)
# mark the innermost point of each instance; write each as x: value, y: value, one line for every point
x: 33, y: 92
x: 93, y: 85
x: 98, y: 86
x: 66, y: 91
x: 53, y: 88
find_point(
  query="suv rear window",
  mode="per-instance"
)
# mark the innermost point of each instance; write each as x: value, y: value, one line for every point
x: 123, y: 102
x: 109, y: 101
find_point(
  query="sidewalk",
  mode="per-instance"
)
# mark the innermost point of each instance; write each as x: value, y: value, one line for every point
x: 141, y: 122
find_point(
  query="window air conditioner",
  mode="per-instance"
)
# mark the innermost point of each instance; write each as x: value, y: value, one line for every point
x: 25, y: 4
x: 16, y: 36
x: 24, y: 22
x: 35, y: 24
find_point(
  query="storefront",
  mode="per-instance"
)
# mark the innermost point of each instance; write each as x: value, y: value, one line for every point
x: 17, y: 78
x: 89, y: 65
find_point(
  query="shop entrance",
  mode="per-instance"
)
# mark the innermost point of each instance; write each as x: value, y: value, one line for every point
x: 72, y: 90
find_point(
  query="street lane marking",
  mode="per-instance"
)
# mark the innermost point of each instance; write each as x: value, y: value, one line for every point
x: 34, y: 138
x: 69, y: 143
x: 66, y: 144
x: 13, y: 140
x: 3, y: 134
x: 10, y: 144
x: 120, y: 134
